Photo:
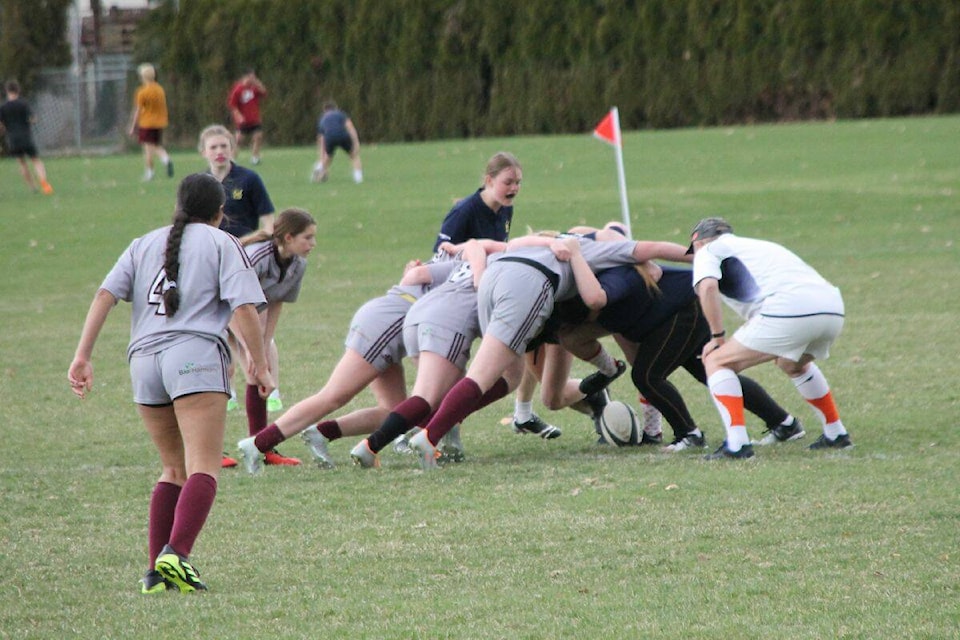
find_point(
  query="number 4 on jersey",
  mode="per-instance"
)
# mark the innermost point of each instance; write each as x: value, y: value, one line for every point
x: 155, y: 296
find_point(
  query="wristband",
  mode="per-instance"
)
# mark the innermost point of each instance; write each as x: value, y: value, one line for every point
x: 719, y: 335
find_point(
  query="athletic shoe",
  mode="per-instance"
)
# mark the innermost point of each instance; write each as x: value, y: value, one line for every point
x: 274, y: 457
x: 427, y: 453
x: 250, y: 455
x: 450, y: 446
x: 402, y: 445
x: 537, y: 426
x: 147, y: 176
x: 274, y: 404
x: 746, y: 451
x: 226, y: 462
x: 689, y: 441
x: 317, y: 444
x: 597, y: 381
x: 169, y: 168
x: 232, y: 404
x: 782, y: 433
x: 46, y: 188
x: 175, y: 568
x: 153, y: 582
x: 654, y: 439
x: 842, y: 441
x: 597, y: 402
x: 255, y: 159
x: 364, y: 457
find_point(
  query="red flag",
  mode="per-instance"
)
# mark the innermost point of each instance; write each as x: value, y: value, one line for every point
x: 609, y: 129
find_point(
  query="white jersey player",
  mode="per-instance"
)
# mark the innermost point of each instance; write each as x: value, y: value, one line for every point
x: 792, y: 316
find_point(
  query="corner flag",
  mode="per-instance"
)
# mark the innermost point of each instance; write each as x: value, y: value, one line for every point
x: 609, y: 131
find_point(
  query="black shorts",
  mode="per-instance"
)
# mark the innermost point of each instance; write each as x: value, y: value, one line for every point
x: 20, y: 149
x: 330, y: 144
x: 249, y: 128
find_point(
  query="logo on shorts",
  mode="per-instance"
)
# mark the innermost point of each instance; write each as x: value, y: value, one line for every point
x: 189, y: 368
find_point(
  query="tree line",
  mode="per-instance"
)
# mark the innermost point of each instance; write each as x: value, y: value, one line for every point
x: 422, y: 69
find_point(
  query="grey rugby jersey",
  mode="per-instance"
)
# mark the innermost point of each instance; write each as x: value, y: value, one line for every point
x: 599, y: 255
x: 215, y: 278
x: 279, y: 284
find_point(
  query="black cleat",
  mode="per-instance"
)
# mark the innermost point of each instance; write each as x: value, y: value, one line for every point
x: 598, y: 381
x: 842, y: 441
x: 746, y: 451
x: 537, y: 426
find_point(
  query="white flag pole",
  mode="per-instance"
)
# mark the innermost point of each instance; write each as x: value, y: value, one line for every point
x: 621, y: 177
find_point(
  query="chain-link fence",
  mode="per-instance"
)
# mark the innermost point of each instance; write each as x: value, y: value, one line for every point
x: 85, y: 112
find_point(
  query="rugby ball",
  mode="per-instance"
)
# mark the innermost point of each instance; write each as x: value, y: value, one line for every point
x: 619, y: 424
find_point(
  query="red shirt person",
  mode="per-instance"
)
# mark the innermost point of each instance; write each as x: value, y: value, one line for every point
x: 244, y: 104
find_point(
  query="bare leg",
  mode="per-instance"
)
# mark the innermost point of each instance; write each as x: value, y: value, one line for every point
x: 25, y: 172
x: 390, y: 389
x: 351, y: 376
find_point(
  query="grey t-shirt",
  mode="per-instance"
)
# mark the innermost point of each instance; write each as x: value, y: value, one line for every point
x: 279, y: 284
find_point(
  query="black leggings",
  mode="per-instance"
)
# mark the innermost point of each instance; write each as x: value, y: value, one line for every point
x: 676, y: 343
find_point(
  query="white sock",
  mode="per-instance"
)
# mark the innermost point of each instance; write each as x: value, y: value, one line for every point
x: 652, y: 419
x: 604, y: 362
x: 522, y: 411
x: 357, y: 176
x: 724, y: 384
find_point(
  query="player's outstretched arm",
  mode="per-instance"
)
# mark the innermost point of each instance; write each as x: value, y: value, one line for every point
x: 648, y: 250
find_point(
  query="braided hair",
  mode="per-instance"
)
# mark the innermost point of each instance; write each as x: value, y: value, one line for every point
x: 199, y: 199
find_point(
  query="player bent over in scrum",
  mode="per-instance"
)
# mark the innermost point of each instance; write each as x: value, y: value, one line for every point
x: 373, y: 357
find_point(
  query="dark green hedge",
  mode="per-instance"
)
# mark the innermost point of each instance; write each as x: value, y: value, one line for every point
x: 421, y: 69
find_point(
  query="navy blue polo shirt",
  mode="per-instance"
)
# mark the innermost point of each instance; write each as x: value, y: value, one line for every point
x: 247, y: 200
x: 472, y: 218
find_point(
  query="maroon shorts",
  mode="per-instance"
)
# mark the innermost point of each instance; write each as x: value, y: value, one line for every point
x: 150, y: 136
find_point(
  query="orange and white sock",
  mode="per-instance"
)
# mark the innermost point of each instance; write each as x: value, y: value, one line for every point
x: 814, y: 388
x: 727, y: 395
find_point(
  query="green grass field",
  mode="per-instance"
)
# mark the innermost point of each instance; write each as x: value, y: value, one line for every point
x: 527, y: 538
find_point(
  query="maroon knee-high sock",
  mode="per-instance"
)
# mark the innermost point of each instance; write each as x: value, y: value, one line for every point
x: 256, y: 411
x: 193, y: 507
x: 268, y: 438
x: 460, y: 401
x: 163, y: 504
x: 330, y: 429
x: 499, y: 389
